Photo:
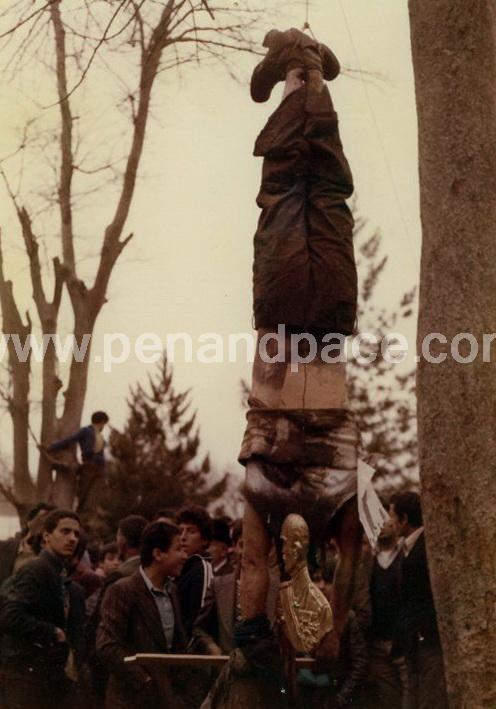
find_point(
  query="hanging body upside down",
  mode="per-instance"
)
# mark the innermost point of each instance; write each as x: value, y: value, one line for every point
x: 300, y: 445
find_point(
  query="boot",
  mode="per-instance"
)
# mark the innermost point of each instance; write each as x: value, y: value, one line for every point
x: 290, y: 50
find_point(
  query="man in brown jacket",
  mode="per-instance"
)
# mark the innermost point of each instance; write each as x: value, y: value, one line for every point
x: 141, y: 614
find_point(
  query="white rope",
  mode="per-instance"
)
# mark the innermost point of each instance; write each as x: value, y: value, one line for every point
x: 306, y: 24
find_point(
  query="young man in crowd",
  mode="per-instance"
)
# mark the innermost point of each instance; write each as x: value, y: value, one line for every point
x: 128, y: 543
x: 108, y: 560
x: 219, y: 547
x: 418, y: 636
x: 128, y: 540
x: 196, y: 576
x: 43, y: 617
x: 141, y: 613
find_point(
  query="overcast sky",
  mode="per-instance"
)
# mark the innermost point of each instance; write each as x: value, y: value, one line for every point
x: 188, y: 268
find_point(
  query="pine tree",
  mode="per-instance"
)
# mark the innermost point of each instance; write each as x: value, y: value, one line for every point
x: 382, y: 397
x: 156, y: 454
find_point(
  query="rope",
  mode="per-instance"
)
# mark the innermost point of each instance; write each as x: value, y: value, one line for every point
x: 306, y: 24
x: 379, y: 136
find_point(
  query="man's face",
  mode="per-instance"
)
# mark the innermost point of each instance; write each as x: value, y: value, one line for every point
x: 171, y: 561
x: 217, y: 551
x: 400, y: 524
x: 110, y: 563
x: 64, y: 538
x: 388, y: 531
x: 191, y: 539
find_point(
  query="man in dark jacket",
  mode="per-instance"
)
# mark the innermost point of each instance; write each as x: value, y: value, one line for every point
x: 43, y: 617
x: 140, y: 614
x: 418, y: 636
x: 196, y: 576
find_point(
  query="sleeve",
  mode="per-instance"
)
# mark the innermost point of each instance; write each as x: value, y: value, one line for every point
x: 357, y: 662
x: 205, y: 629
x: 112, y: 641
x: 17, y: 616
x: 66, y: 442
x: 192, y: 593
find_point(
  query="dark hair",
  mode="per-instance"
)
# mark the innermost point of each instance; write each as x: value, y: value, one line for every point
x: 167, y: 512
x: 156, y: 535
x: 236, y: 531
x: 40, y: 507
x: 53, y: 518
x: 131, y: 528
x: 408, y: 503
x: 110, y: 548
x: 99, y: 417
x: 198, y: 516
x: 220, y: 532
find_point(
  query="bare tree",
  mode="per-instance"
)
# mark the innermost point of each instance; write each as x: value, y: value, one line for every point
x: 131, y: 42
x: 454, y: 50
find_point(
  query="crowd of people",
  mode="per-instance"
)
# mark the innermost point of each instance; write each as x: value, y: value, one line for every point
x: 72, y: 611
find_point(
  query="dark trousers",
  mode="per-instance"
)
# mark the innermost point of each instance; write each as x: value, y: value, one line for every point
x: 426, y: 685
x: 304, y: 271
x: 91, y: 481
x: 387, y: 678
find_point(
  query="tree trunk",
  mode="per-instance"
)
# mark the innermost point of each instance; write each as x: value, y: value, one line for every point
x: 454, y: 58
x: 23, y: 493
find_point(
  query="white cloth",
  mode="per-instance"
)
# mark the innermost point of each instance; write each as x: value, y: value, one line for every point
x: 386, y: 557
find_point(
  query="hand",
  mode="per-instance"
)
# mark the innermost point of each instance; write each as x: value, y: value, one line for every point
x: 60, y: 635
x: 214, y: 649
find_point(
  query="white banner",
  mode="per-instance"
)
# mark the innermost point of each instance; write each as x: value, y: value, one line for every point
x: 370, y: 509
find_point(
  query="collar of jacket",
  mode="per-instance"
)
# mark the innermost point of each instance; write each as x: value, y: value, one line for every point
x: 56, y: 561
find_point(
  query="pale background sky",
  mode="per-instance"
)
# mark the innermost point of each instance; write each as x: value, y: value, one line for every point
x: 188, y: 268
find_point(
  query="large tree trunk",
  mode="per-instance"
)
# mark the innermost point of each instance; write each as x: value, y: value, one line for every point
x: 23, y: 493
x: 454, y: 57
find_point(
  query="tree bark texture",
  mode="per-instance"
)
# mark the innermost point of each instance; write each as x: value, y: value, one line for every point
x: 17, y: 398
x: 454, y: 58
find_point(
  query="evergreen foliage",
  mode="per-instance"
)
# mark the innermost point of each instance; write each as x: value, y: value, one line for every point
x: 382, y: 394
x: 155, y: 456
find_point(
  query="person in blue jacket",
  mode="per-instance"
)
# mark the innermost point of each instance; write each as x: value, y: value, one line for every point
x: 91, y: 444
x: 89, y: 438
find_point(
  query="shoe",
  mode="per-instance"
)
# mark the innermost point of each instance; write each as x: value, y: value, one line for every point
x: 273, y: 67
x: 290, y: 50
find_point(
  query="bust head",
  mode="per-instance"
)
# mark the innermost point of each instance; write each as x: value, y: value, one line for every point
x: 295, y: 540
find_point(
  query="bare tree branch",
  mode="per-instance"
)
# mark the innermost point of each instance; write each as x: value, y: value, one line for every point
x: 66, y: 167
x: 22, y: 22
